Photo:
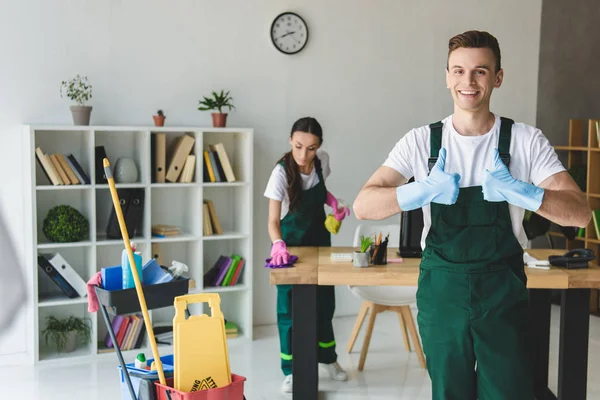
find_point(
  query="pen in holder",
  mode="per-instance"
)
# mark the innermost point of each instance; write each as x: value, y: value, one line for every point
x: 379, y: 256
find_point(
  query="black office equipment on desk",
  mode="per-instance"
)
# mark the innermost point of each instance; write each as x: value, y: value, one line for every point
x: 574, y: 259
x: 411, y: 230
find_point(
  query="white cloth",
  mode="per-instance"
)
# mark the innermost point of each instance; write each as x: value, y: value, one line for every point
x: 533, y: 159
x: 12, y: 284
x: 277, y: 184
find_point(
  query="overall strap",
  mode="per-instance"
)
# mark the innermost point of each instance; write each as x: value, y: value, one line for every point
x: 504, y: 141
x: 319, y: 169
x: 435, y: 142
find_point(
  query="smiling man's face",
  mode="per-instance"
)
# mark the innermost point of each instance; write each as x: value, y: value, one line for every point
x: 471, y: 77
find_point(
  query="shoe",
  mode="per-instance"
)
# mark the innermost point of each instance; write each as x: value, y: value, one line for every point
x: 336, y: 372
x: 287, y: 385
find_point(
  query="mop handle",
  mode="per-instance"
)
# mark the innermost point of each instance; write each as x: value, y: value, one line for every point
x: 138, y: 284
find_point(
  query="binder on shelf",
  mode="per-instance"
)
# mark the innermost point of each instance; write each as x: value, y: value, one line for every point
x: 132, y: 205
x: 100, y: 156
x: 68, y: 273
x: 56, y: 277
x: 180, y: 150
x: 159, y: 156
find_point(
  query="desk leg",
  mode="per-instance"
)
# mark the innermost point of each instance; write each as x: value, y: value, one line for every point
x: 539, y: 304
x: 304, y: 342
x: 573, y: 349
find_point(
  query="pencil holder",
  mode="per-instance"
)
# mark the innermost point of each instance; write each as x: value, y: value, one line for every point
x: 379, y: 256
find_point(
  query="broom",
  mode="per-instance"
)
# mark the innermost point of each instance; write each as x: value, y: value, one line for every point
x: 138, y: 284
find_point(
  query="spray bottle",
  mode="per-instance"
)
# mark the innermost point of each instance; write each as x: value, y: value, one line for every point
x: 128, y: 281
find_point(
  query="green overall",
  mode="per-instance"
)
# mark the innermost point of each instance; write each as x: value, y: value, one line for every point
x: 472, y: 297
x: 305, y: 226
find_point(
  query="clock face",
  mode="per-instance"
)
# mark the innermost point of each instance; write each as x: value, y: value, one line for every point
x: 289, y: 33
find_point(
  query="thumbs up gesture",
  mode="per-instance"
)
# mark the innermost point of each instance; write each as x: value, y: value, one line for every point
x: 499, y: 185
x: 439, y: 187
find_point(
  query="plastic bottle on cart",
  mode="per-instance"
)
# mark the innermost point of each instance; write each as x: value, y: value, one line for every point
x: 128, y: 281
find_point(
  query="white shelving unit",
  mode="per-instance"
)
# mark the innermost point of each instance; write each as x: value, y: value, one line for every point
x: 165, y: 203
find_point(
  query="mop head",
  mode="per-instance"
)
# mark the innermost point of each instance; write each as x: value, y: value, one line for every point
x: 290, y: 263
x: 332, y: 224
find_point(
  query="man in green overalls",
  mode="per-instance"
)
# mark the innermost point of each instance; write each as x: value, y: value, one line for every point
x: 475, y: 175
x: 297, y: 195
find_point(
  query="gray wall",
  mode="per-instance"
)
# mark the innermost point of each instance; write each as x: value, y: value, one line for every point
x: 568, y: 85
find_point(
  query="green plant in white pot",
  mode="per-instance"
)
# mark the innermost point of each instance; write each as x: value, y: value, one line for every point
x: 66, y: 333
x: 79, y: 90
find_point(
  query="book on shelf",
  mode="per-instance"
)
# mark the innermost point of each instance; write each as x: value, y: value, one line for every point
x: 225, y: 272
x: 217, y: 166
x: 596, y: 221
x: 128, y: 330
x: 187, y: 175
x: 61, y: 169
x: 231, y: 329
x: 211, y: 224
x: 160, y: 230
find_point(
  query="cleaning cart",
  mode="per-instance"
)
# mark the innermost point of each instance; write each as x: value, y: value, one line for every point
x: 229, y: 386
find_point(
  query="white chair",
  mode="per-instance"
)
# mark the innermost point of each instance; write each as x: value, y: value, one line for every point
x: 377, y: 299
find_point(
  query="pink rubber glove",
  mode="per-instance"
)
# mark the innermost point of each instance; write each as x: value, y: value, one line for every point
x: 279, y: 253
x: 338, y: 213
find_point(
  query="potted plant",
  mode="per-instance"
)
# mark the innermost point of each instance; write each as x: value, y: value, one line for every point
x: 64, y: 224
x: 217, y: 103
x: 79, y: 90
x: 361, y: 258
x: 159, y: 119
x: 66, y: 333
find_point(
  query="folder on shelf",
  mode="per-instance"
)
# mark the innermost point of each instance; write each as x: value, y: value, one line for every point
x: 180, y: 150
x: 99, y: 160
x: 132, y: 205
x: 57, y: 278
x: 159, y: 156
x: 71, y: 276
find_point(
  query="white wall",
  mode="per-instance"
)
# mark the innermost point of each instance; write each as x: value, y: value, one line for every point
x: 371, y: 71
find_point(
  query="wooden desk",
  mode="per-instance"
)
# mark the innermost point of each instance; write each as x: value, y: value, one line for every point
x: 314, y: 267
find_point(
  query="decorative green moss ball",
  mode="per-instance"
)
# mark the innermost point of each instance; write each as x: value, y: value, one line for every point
x: 65, y: 224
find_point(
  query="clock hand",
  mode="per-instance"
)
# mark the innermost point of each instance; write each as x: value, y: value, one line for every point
x: 285, y: 34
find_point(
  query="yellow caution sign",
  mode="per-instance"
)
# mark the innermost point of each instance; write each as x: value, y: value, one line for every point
x: 200, y: 350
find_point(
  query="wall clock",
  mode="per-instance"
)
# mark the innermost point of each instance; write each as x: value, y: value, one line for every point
x: 289, y: 33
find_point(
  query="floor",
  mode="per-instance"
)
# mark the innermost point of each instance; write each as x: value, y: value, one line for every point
x: 390, y: 372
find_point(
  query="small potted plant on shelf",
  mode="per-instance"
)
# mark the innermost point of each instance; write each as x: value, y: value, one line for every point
x: 159, y: 118
x: 217, y: 103
x: 64, y: 224
x: 79, y: 90
x: 66, y: 333
x: 361, y: 258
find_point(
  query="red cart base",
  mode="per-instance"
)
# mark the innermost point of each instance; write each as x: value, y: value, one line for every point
x: 233, y: 391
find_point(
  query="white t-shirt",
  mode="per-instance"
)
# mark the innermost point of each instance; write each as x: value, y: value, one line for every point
x: 277, y: 184
x: 532, y: 160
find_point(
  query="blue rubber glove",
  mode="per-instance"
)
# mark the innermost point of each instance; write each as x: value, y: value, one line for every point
x: 499, y: 185
x: 439, y: 187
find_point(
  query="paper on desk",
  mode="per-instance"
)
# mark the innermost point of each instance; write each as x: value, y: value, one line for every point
x: 534, y: 262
